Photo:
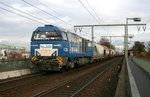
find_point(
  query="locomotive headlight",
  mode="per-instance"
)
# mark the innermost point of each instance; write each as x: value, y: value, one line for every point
x: 66, y: 49
x: 37, y: 53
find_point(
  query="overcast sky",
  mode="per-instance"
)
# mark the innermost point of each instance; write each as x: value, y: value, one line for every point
x: 17, y: 30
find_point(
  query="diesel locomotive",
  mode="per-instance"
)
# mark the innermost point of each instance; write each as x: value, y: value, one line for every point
x: 55, y: 49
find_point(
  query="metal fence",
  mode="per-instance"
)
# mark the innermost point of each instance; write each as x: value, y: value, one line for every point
x: 14, y: 64
x: 143, y: 63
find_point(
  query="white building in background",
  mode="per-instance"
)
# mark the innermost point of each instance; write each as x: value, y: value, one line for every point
x: 3, y: 54
x: 7, y: 51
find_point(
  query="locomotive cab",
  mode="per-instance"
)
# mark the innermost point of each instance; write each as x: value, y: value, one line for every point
x: 49, y: 48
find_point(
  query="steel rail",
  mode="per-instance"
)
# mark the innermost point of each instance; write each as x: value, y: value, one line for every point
x: 16, y: 79
x: 44, y: 92
x: 91, y: 81
x: 19, y: 85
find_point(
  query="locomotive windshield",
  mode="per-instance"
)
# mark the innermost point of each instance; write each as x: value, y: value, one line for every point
x: 51, y: 35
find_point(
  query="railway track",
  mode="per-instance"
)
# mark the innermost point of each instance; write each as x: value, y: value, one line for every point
x: 19, y: 78
x: 72, y: 87
x: 2, y: 83
x: 65, y: 84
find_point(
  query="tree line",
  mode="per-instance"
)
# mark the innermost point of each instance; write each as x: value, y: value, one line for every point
x: 139, y: 49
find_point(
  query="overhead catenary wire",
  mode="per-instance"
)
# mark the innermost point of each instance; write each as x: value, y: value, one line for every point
x: 70, y: 24
x: 27, y: 14
x: 24, y: 12
x: 29, y: 18
x: 93, y: 10
x: 92, y: 14
x: 52, y: 10
x: 21, y: 15
x: 46, y: 12
x: 46, y: 6
x: 89, y: 12
x: 57, y: 13
x: 96, y: 14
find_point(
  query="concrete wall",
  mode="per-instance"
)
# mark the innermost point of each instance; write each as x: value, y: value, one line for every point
x: 145, y: 64
x: 15, y: 73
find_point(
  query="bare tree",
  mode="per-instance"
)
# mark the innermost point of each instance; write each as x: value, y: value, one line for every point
x: 105, y: 42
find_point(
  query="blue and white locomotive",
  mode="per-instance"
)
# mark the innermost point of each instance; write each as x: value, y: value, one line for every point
x: 54, y: 49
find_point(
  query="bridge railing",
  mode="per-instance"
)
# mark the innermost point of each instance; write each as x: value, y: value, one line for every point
x: 14, y: 64
x: 126, y: 85
x: 143, y: 63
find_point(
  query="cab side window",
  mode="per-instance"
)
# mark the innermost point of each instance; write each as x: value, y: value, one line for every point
x: 64, y: 35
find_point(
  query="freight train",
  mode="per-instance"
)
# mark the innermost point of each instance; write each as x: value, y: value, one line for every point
x: 55, y: 49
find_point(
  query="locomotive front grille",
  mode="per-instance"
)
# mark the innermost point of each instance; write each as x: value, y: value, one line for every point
x: 46, y: 52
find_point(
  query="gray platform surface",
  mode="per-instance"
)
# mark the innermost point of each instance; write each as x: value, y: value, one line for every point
x: 142, y: 79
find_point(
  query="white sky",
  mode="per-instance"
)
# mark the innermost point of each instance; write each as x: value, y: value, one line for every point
x: 18, y: 30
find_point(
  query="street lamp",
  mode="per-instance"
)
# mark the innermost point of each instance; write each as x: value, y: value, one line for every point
x: 136, y: 19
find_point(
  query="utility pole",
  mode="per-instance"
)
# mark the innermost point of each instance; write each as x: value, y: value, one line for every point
x: 92, y: 36
x: 136, y: 19
x: 126, y: 31
x: 131, y: 36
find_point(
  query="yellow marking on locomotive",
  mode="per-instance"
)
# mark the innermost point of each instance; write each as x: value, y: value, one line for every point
x: 33, y: 57
x: 59, y: 60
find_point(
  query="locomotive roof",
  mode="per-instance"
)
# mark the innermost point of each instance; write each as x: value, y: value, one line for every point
x: 52, y: 28
x: 49, y: 28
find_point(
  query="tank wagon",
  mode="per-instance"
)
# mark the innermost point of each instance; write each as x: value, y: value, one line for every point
x: 55, y: 49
